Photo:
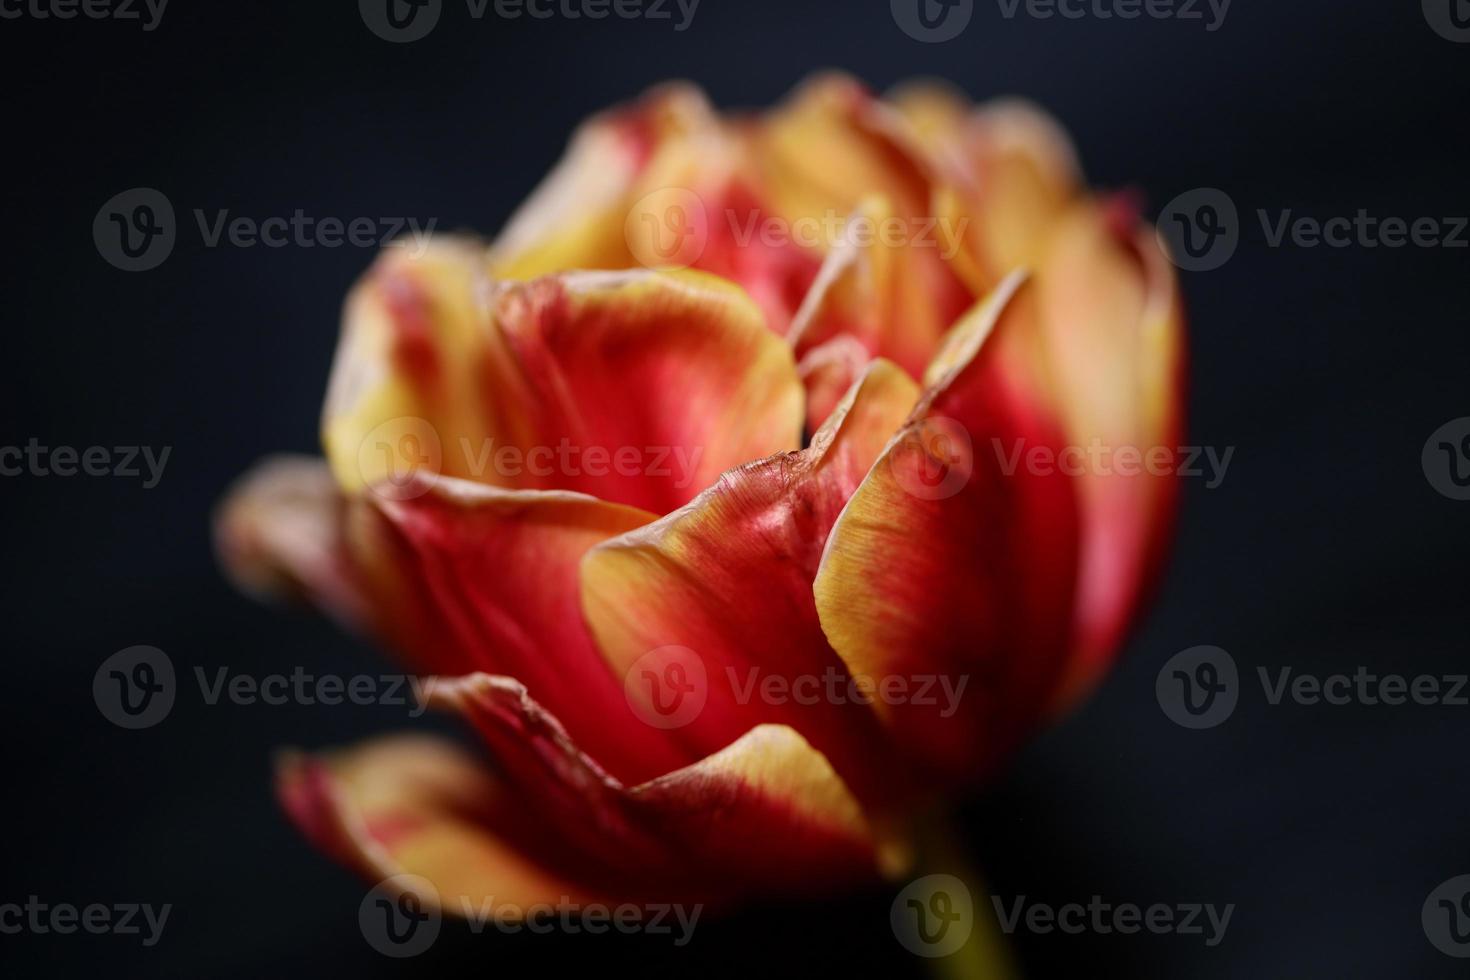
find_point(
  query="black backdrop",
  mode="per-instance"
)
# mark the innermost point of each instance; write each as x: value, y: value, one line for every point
x: 1325, y: 548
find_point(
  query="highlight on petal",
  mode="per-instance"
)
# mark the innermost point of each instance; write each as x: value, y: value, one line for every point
x: 638, y: 387
x: 418, y: 805
x: 726, y: 583
x: 887, y: 285
x: 765, y: 816
x: 948, y: 564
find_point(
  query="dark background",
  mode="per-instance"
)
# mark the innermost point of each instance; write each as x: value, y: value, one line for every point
x: 1325, y: 548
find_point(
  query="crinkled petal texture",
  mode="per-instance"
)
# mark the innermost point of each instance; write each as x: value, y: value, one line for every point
x: 711, y: 660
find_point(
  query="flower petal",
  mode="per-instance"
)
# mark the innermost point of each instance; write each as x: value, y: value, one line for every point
x: 830, y: 145
x: 1007, y: 171
x: 498, y: 572
x: 885, y: 284
x: 460, y: 577
x: 421, y: 806
x: 765, y: 816
x: 1109, y: 304
x: 280, y: 532
x: 637, y: 387
x: 946, y: 568
x: 728, y: 579
x: 828, y: 371
x: 575, y: 219
x: 660, y: 183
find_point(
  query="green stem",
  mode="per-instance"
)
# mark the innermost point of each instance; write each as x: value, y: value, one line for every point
x: 985, y: 955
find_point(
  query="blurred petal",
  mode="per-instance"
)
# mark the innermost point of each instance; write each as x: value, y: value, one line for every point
x: 885, y: 284
x: 765, y: 816
x: 575, y: 218
x: 945, y: 568
x: 637, y: 387
x: 660, y: 183
x: 830, y: 145
x: 1007, y: 171
x: 1109, y: 304
x: 279, y: 532
x: 460, y: 577
x: 828, y: 371
x: 730, y: 578
x: 420, y: 806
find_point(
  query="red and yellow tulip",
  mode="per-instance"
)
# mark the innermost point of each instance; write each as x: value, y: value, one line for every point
x: 830, y: 499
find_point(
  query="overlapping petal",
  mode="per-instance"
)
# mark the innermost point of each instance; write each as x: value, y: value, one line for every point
x: 946, y: 567
x: 885, y: 285
x: 1005, y: 170
x: 419, y: 805
x: 660, y: 183
x: 766, y: 815
x: 728, y: 582
x: 638, y: 387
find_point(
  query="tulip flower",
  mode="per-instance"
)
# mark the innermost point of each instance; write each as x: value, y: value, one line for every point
x: 694, y: 528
